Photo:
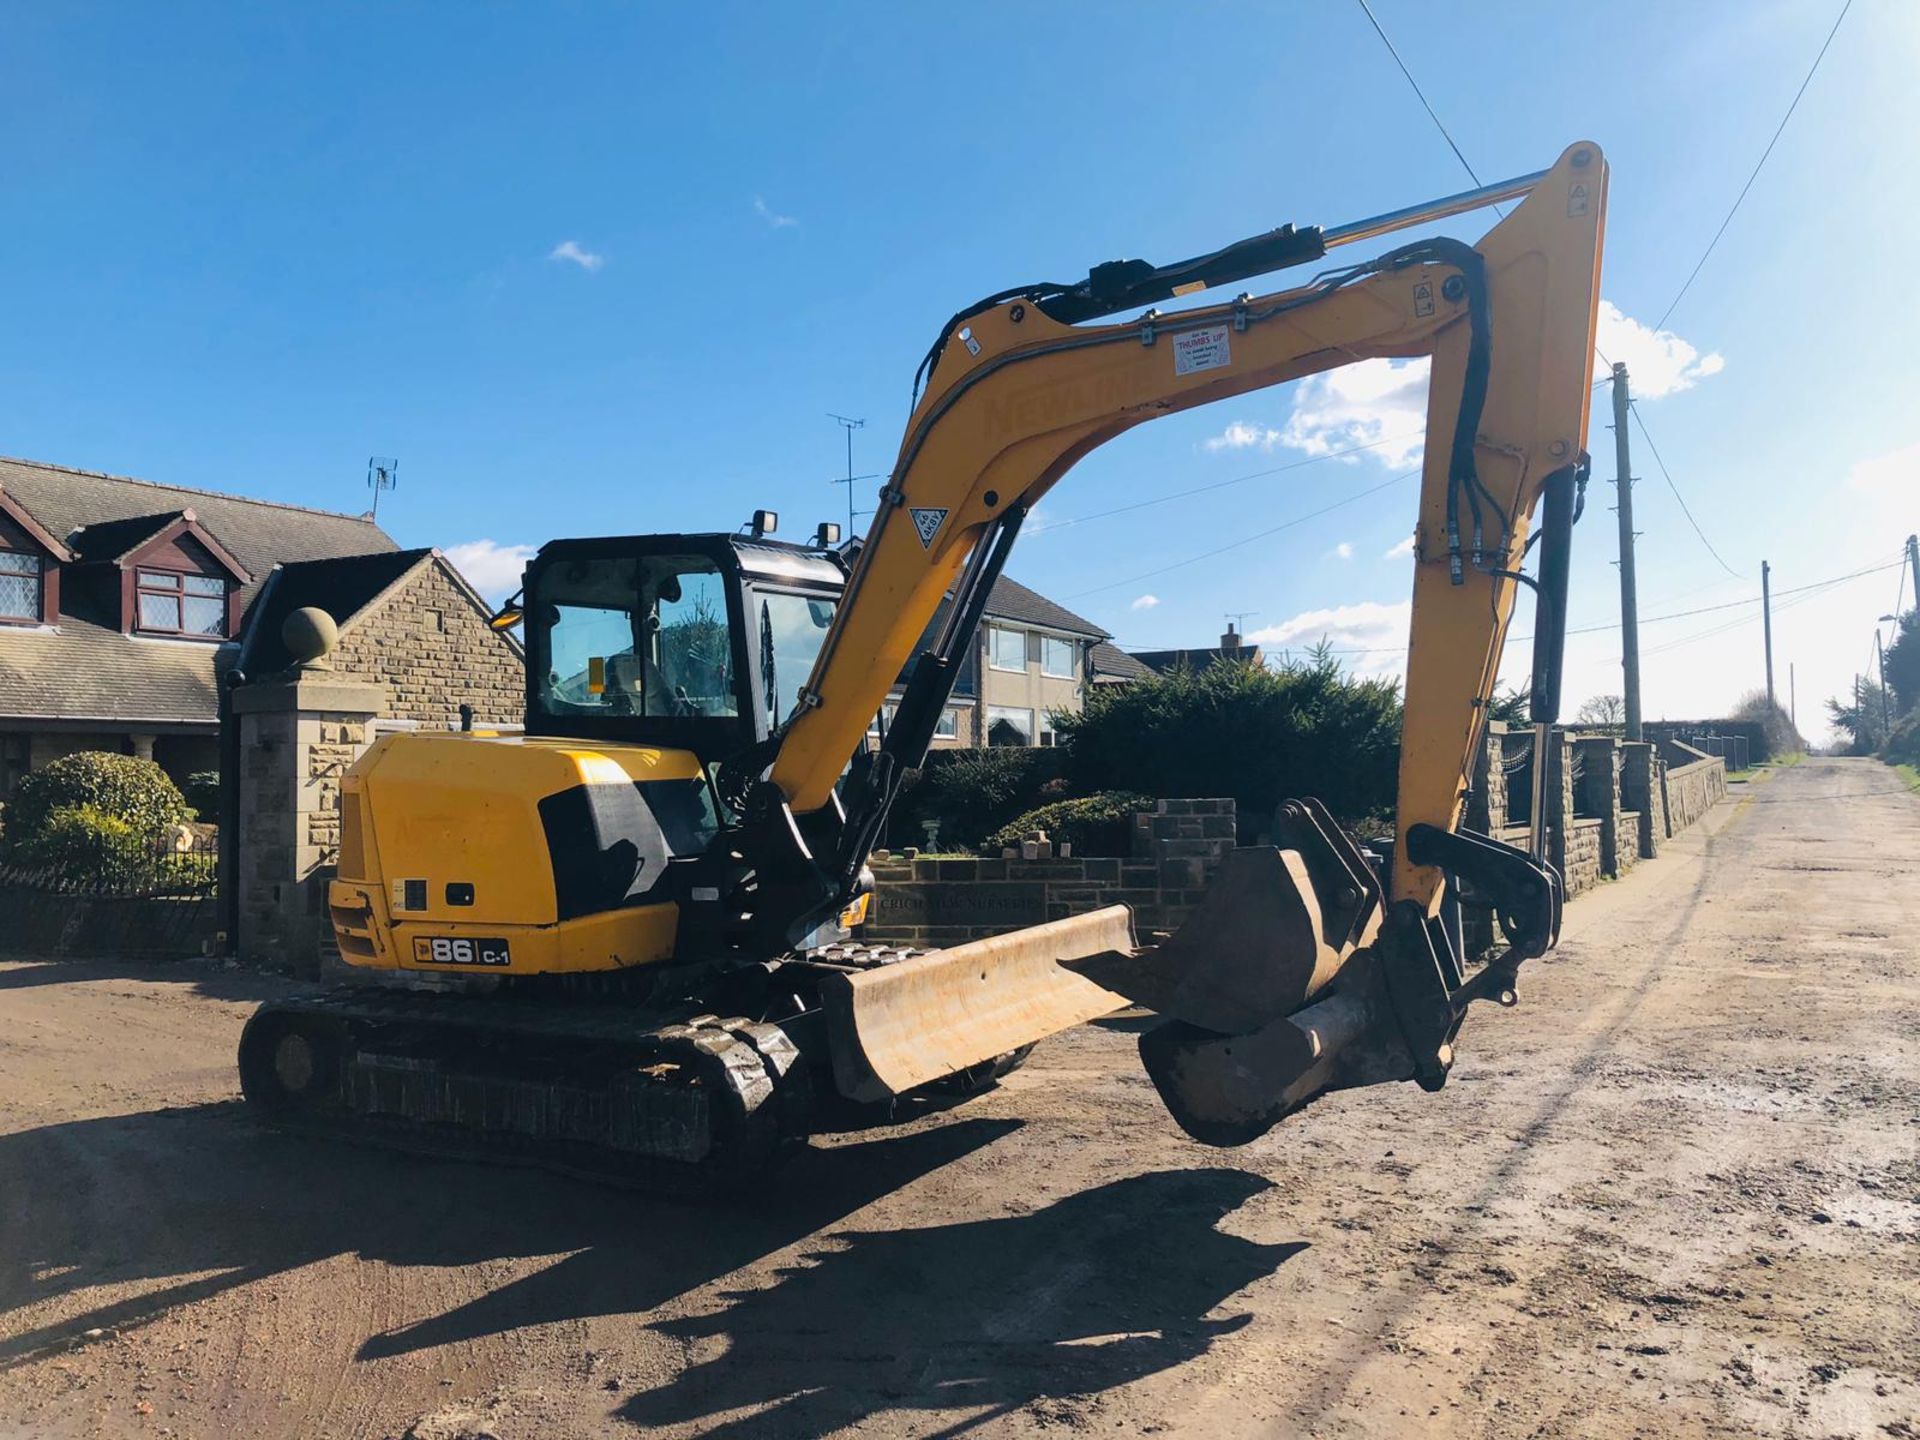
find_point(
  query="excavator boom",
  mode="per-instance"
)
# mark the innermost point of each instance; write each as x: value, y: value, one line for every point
x: 1016, y: 394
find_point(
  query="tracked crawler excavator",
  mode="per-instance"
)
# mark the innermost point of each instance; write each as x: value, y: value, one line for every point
x: 649, y: 891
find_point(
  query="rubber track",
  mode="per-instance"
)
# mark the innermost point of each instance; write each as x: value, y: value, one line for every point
x: 756, y: 1085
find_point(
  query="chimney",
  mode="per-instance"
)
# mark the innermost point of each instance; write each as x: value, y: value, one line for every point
x: 1230, y: 642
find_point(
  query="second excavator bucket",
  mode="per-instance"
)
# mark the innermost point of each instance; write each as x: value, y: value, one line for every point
x: 1268, y: 987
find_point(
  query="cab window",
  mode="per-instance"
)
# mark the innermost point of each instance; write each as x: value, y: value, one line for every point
x: 636, y: 636
x: 792, y: 630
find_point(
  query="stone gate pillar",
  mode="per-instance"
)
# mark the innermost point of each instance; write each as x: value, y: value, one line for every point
x: 297, y: 738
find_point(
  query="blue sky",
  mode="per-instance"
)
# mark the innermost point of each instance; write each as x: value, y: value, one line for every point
x: 606, y: 269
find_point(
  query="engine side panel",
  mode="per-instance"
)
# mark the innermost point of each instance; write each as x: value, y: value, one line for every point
x: 499, y: 854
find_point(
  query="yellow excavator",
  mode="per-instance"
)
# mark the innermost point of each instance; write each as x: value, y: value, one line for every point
x: 651, y: 891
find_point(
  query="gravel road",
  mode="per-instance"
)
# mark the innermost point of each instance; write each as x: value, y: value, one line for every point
x: 1676, y: 1193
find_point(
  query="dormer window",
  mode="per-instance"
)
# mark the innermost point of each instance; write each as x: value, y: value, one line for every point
x: 22, y: 591
x: 172, y: 603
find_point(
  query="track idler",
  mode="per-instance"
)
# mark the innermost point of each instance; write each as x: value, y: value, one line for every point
x: 1294, y: 978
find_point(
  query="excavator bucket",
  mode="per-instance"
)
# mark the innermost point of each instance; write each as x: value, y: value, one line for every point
x: 904, y: 1025
x: 1258, y: 1024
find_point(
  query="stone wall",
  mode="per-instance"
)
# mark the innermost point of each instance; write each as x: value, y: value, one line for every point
x: 297, y: 738
x: 1642, y: 791
x: 928, y: 901
x: 427, y: 646
x: 1693, y: 788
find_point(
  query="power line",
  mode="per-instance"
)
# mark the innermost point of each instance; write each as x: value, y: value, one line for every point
x: 1801, y: 593
x: 1249, y: 539
x: 1053, y: 525
x: 1432, y: 114
x: 1780, y: 130
x: 1666, y: 474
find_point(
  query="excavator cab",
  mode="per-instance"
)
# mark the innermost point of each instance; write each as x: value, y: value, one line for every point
x: 688, y: 642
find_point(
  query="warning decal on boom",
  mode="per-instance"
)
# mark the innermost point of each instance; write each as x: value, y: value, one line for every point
x: 928, y: 523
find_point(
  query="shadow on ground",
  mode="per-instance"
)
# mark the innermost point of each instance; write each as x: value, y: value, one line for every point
x: 1041, y: 1311
x: 185, y: 1192
x: 1092, y: 1291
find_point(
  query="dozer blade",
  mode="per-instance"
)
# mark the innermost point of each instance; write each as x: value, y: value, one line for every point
x: 901, y: 1026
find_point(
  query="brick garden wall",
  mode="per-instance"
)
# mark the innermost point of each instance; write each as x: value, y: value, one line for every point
x: 428, y: 647
x: 932, y: 902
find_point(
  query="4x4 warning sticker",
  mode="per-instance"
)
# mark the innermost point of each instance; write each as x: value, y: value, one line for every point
x: 927, y: 523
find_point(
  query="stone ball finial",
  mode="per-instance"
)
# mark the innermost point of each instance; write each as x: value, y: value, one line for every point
x: 309, y: 634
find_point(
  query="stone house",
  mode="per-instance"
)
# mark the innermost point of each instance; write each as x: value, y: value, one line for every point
x: 409, y: 624
x: 120, y: 604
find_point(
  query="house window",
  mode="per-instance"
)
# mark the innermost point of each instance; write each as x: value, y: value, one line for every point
x: 20, y: 585
x: 1008, y: 649
x: 1056, y: 657
x: 1008, y: 725
x: 173, y: 604
x: 1047, y: 737
x: 946, y: 728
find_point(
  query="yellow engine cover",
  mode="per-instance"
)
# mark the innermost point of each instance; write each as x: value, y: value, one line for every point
x: 504, y: 854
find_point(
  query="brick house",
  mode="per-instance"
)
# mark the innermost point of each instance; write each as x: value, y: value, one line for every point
x: 120, y: 600
x: 1232, y: 648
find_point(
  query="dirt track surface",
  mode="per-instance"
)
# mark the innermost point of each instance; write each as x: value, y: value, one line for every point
x: 1675, y: 1193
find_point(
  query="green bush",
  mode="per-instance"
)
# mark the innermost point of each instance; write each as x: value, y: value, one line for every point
x: 202, y: 792
x: 1773, y: 735
x: 1094, y: 824
x: 1903, y: 745
x: 82, y: 842
x: 135, y: 792
x: 972, y: 793
x: 1258, y: 735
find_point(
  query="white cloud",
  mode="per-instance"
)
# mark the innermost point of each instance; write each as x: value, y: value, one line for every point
x: 1242, y: 436
x: 1378, y: 631
x: 773, y: 219
x: 1381, y: 403
x: 493, y: 570
x: 1896, y: 473
x: 1658, y: 362
x: 572, y: 252
x: 1144, y: 602
x: 1344, y: 550
x: 1400, y: 551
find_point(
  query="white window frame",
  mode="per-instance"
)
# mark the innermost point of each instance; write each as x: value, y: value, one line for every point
x: 178, y: 586
x: 1046, y: 738
x: 994, y: 632
x: 1011, y: 714
x: 948, y: 727
x: 1047, y: 642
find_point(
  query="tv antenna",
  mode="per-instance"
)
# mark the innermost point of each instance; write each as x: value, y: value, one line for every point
x: 383, y: 473
x: 849, y: 424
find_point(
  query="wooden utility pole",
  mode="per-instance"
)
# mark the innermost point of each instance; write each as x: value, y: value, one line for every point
x: 1629, y: 602
x: 1766, y: 628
